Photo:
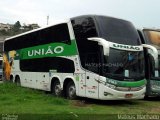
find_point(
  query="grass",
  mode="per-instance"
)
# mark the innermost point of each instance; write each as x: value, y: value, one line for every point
x: 28, y: 103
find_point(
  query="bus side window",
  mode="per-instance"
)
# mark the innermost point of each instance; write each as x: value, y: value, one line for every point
x: 57, y: 33
x: 61, y: 65
x: 84, y: 27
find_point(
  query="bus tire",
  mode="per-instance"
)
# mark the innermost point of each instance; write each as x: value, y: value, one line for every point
x: 71, y: 90
x: 11, y: 78
x: 17, y: 81
x: 146, y: 97
x: 56, y: 88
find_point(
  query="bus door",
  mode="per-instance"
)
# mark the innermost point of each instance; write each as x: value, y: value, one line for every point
x: 92, y: 64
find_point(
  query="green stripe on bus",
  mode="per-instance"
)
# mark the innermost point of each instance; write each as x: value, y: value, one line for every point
x: 127, y: 83
x: 48, y: 50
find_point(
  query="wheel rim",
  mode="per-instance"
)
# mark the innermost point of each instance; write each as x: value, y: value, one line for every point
x: 57, y: 89
x: 72, y: 91
x: 17, y: 82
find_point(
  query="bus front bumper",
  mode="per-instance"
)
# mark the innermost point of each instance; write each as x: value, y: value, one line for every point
x: 106, y: 93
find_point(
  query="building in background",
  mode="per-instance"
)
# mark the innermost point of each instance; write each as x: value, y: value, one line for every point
x: 6, y: 27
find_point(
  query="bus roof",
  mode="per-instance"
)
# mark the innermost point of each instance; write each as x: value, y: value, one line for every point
x: 25, y: 33
x: 95, y: 16
x: 59, y: 22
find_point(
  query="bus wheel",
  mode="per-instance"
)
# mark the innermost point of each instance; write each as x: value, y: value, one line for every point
x: 11, y: 78
x: 17, y: 81
x: 71, y: 90
x: 56, y: 88
x: 146, y: 97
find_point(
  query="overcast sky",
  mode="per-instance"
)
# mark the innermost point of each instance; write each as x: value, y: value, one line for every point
x: 142, y: 13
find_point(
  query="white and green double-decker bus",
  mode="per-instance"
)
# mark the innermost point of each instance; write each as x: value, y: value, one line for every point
x: 152, y: 37
x: 90, y: 56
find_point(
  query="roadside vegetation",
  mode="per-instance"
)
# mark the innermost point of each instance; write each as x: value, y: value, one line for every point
x: 29, y: 103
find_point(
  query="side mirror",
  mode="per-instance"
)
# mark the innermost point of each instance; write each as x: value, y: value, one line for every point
x: 103, y: 43
x: 154, y: 53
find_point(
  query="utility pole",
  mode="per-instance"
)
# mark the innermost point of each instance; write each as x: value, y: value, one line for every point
x: 47, y: 19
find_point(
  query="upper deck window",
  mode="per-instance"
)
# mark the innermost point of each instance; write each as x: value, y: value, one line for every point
x: 117, y: 30
x: 57, y: 33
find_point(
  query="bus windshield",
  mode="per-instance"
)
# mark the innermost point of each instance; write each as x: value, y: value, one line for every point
x: 125, y: 65
x: 121, y: 64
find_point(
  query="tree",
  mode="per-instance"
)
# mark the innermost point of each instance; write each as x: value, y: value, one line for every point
x: 16, y: 26
x: 3, y: 32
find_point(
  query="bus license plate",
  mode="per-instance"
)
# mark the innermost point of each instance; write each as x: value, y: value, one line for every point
x: 128, y: 95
